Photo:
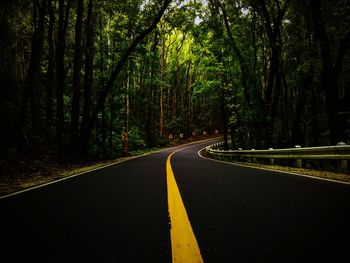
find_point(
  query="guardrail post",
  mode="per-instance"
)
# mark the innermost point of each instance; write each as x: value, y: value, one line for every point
x: 253, y: 158
x: 239, y: 156
x: 272, y: 161
x: 342, y: 164
x: 298, y: 162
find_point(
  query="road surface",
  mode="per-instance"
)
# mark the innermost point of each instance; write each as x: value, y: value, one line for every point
x: 121, y: 214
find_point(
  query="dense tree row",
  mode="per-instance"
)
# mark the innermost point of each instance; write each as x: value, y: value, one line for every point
x: 86, y: 74
x: 295, y: 69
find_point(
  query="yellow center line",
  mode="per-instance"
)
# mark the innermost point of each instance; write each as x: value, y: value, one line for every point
x: 184, y: 246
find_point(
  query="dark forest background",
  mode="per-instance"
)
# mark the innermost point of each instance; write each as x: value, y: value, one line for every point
x: 80, y: 75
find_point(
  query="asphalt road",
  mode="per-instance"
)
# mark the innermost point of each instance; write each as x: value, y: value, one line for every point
x: 120, y: 214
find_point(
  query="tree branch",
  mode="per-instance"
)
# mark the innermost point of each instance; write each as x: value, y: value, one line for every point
x: 103, y: 95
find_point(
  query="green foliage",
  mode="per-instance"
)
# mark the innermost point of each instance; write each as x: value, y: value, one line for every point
x: 188, y: 75
x: 204, y: 88
x: 136, y: 142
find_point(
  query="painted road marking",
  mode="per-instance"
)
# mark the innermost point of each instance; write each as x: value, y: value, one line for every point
x: 184, y: 246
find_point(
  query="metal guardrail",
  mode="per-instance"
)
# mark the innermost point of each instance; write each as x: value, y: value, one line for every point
x: 340, y: 152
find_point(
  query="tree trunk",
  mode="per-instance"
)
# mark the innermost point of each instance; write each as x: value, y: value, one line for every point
x: 63, y: 16
x: 223, y: 115
x: 273, y: 23
x: 74, y: 125
x: 285, y: 121
x: 296, y: 138
x: 161, y: 88
x: 88, y: 75
x: 187, y: 100
x: 104, y: 133
x: 127, y: 97
x: 111, y: 122
x: 32, y: 85
x: 104, y: 117
x: 150, y: 123
x: 50, y: 70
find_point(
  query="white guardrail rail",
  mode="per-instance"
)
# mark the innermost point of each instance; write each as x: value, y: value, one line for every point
x: 340, y: 152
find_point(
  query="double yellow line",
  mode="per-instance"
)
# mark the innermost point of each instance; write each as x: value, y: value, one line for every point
x: 184, y: 246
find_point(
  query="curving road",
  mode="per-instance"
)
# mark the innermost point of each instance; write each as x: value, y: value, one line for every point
x: 120, y: 214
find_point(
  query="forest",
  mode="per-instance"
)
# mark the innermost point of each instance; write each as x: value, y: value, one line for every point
x: 89, y: 76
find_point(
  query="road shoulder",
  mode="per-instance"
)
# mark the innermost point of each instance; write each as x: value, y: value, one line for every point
x: 11, y: 184
x: 309, y: 173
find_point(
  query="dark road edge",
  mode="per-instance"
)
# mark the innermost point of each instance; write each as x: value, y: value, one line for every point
x: 102, y: 167
x: 272, y: 170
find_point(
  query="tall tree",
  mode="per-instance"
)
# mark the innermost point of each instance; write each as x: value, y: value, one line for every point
x: 161, y: 88
x: 63, y: 17
x: 75, y: 112
x: 331, y: 68
x: 50, y: 67
x: 88, y: 78
x: 31, y: 88
x: 246, y: 75
x: 273, y: 23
